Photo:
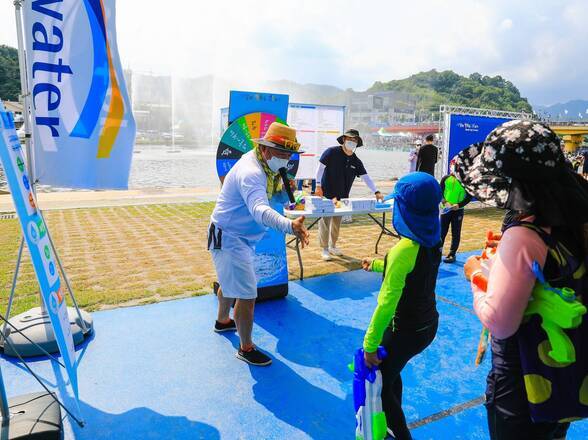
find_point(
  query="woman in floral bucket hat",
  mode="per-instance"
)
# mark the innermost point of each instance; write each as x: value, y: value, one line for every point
x: 521, y: 168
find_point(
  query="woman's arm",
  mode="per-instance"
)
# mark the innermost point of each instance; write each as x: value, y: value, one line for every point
x: 319, y: 173
x: 510, y: 282
x: 369, y: 182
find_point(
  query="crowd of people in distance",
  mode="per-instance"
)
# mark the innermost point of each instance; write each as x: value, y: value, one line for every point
x: 579, y: 162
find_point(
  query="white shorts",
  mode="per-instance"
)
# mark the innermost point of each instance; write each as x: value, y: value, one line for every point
x: 235, y: 272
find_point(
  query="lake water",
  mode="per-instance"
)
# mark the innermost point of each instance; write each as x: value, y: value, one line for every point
x: 154, y: 166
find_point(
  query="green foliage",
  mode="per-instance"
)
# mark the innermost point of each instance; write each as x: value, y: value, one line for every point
x: 9, y: 74
x: 435, y: 88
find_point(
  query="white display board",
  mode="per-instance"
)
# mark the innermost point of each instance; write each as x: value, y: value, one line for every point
x: 317, y: 128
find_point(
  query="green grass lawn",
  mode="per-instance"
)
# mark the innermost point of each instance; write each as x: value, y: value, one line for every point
x: 143, y: 254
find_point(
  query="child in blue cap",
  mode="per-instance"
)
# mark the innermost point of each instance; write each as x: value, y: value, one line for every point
x: 405, y: 319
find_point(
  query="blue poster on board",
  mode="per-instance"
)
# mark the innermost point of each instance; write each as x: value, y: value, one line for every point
x: 271, y: 264
x: 465, y: 130
x: 243, y: 103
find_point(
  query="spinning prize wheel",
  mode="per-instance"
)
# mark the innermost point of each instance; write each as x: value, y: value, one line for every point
x: 236, y: 141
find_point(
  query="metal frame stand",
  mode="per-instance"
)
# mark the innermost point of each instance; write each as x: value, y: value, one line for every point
x: 384, y: 230
x: 297, y: 247
x: 37, y: 316
x: 36, y: 415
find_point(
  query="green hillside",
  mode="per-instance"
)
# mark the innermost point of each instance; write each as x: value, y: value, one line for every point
x: 9, y: 74
x: 435, y: 88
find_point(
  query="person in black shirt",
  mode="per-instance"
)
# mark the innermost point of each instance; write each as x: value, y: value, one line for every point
x: 338, y: 168
x: 427, y: 156
x: 455, y: 198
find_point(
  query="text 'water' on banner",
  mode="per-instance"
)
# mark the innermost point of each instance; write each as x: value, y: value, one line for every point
x: 82, y: 122
x: 36, y: 236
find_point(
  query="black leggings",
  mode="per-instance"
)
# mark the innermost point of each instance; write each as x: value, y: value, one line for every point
x: 455, y: 219
x: 402, y: 346
x: 508, y: 411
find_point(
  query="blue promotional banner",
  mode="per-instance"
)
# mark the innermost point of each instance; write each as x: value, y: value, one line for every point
x: 258, y: 111
x: 34, y: 231
x: 243, y: 103
x: 82, y: 123
x: 271, y: 265
x: 465, y: 130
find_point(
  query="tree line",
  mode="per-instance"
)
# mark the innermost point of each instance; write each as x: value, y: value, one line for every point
x: 434, y: 88
x: 9, y: 74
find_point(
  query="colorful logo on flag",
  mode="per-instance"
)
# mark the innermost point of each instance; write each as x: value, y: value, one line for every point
x: 103, y: 81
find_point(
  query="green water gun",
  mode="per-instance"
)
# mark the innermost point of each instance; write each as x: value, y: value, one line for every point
x: 559, y: 309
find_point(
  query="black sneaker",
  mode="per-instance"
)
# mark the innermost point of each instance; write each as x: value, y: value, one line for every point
x: 449, y: 259
x: 230, y: 326
x: 254, y: 357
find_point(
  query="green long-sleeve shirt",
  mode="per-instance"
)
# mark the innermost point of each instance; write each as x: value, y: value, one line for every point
x: 407, y: 288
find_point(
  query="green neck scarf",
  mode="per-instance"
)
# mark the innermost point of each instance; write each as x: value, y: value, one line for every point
x: 274, y: 181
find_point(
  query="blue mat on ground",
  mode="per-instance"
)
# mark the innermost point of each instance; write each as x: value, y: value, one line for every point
x: 159, y: 372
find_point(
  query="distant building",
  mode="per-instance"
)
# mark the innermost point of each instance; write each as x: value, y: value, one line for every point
x: 373, y: 110
x: 151, y: 100
x: 164, y: 107
x: 16, y: 109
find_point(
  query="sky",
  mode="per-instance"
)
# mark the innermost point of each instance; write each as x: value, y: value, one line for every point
x: 541, y: 46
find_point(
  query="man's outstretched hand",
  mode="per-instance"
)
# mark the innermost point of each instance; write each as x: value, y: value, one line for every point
x: 318, y: 191
x: 366, y: 264
x: 300, y: 231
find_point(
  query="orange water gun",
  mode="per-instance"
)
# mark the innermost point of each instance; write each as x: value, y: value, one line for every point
x: 481, y: 282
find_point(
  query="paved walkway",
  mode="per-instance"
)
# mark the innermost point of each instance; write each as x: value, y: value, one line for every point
x: 94, y: 199
x: 141, y: 196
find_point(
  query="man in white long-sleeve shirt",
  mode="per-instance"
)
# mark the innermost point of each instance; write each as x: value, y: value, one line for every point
x: 338, y: 168
x: 239, y: 220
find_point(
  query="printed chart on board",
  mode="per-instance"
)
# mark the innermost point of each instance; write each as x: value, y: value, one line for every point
x: 236, y: 141
x: 317, y: 128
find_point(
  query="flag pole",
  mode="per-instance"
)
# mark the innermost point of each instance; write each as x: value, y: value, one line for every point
x: 25, y: 94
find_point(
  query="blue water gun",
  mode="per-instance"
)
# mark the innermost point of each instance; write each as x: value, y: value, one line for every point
x: 370, y: 420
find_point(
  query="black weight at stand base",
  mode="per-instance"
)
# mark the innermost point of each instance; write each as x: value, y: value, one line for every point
x: 272, y: 292
x: 37, y: 327
x: 35, y: 417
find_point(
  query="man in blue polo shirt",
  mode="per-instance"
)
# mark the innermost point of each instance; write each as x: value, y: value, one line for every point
x: 338, y: 168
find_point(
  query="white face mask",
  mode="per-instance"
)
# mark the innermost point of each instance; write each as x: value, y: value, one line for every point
x: 350, y: 145
x: 275, y: 163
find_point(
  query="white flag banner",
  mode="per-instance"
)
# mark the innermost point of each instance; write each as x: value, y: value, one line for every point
x: 83, y: 126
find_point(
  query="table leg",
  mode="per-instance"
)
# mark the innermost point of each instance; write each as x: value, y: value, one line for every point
x: 383, y: 229
x: 297, y: 248
x: 299, y: 259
